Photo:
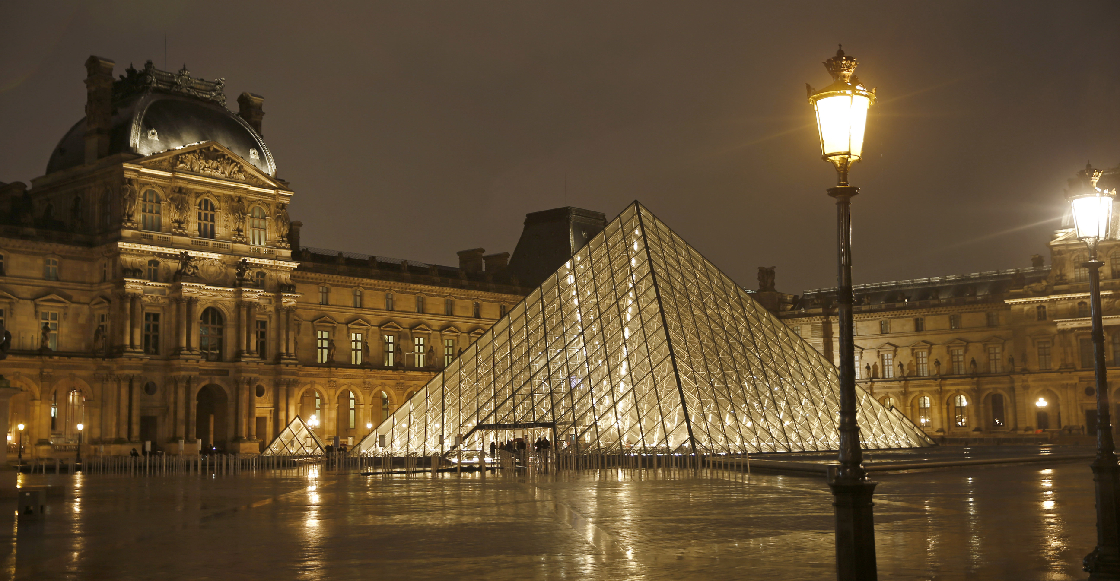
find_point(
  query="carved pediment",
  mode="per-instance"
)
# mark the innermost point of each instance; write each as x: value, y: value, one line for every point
x: 450, y: 330
x: 99, y: 302
x: 210, y: 159
x: 421, y: 328
x: 52, y: 299
x: 324, y: 320
x: 359, y: 322
x: 391, y: 326
x: 7, y: 296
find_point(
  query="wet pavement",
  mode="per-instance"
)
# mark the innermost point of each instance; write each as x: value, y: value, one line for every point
x: 1017, y: 521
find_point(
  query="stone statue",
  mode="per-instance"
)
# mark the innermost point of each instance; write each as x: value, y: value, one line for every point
x: 972, y: 366
x: 766, y: 279
x: 1011, y: 362
x: 365, y: 353
x: 99, y: 340
x: 179, y: 207
x: 901, y: 369
x: 187, y: 266
x: 45, y: 338
x: 282, y: 221
x: 867, y: 371
x: 128, y: 201
x: 48, y: 213
x: 1037, y: 261
x: 237, y: 214
x: 242, y: 269
x: 937, y: 367
x: 330, y: 351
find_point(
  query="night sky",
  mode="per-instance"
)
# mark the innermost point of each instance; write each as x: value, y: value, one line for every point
x: 416, y: 129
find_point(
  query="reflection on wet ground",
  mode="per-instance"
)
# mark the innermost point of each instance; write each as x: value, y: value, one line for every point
x: 1020, y: 521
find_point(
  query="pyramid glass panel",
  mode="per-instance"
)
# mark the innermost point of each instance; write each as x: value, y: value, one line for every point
x: 639, y: 344
x: 296, y: 439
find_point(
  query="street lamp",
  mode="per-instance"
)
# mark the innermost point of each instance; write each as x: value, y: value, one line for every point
x: 1092, y: 219
x: 78, y: 459
x: 841, y: 110
x: 19, y: 451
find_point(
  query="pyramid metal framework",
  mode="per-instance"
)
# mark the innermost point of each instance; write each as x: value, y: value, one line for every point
x: 639, y: 344
x: 296, y: 439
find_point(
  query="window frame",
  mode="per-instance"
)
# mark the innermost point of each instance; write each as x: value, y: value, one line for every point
x: 1044, y: 352
x: 151, y: 211
x: 356, y: 340
x: 258, y: 226
x: 50, y: 268
x: 214, y: 342
x: 207, y: 218
x: 420, y: 355
x: 322, y: 346
x: 150, y: 343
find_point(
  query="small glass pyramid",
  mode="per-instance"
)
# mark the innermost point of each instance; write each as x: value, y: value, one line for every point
x: 638, y: 344
x: 296, y: 439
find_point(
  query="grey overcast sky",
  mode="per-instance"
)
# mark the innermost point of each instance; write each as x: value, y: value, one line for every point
x: 416, y: 129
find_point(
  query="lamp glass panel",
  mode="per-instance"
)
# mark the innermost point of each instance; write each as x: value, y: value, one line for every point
x: 1092, y: 216
x: 841, y: 120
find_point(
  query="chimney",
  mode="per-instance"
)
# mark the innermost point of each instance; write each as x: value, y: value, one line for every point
x: 471, y: 260
x: 293, y: 235
x: 99, y: 107
x: 496, y: 263
x: 249, y: 109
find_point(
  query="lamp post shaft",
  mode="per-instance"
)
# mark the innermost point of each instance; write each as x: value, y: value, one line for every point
x: 1104, y: 561
x: 855, y: 528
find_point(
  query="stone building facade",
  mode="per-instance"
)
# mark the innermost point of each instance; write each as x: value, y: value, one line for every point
x: 989, y: 354
x: 155, y: 289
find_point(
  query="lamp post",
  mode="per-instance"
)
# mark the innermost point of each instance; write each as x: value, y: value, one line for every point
x: 78, y: 458
x: 19, y: 450
x: 841, y: 110
x: 1092, y: 218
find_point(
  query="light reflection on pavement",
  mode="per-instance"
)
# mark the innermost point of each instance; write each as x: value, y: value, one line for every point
x: 980, y: 522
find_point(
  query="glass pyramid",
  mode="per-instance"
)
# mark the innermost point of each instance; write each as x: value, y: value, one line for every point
x: 638, y: 344
x: 296, y: 439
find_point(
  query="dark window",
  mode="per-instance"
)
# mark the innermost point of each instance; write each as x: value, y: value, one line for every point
x: 262, y: 339
x: 1114, y: 265
x: 1116, y: 349
x: 1082, y: 309
x: 1085, y: 346
x: 388, y: 301
x: 1040, y: 312
x: 1043, y: 355
x: 448, y: 306
x: 151, y: 333
x: 477, y: 311
x: 207, y: 219
x: 419, y: 304
x: 358, y: 298
x: 324, y: 295
x: 153, y: 270
x: 993, y: 318
x: 884, y: 326
x: 50, y: 269
x: 210, y: 331
x: 919, y: 324
x: 954, y: 321
x: 997, y: 411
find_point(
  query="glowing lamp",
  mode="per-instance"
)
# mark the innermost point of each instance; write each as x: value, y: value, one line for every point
x: 1091, y: 206
x: 20, y: 426
x: 841, y: 114
x: 369, y: 426
x: 81, y: 427
x: 1041, y: 402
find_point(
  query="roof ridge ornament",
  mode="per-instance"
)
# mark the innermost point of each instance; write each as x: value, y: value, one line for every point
x: 842, y: 67
x: 148, y: 79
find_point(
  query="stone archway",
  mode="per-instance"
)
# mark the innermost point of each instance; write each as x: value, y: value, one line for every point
x: 212, y: 421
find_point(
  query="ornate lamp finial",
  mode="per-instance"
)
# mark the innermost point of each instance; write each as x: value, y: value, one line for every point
x: 1086, y: 180
x: 841, y: 66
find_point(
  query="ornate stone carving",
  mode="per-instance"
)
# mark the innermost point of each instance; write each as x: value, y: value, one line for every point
x: 129, y: 193
x: 235, y: 218
x: 211, y: 269
x: 211, y: 161
x: 187, y: 266
x: 282, y: 222
x: 135, y: 82
x: 179, y: 209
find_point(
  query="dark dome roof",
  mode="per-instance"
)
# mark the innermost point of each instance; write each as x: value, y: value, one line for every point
x: 154, y: 121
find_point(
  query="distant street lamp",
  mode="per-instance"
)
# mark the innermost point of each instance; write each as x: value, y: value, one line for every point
x: 78, y: 459
x: 841, y: 117
x: 1092, y: 219
x: 369, y: 426
x: 19, y: 451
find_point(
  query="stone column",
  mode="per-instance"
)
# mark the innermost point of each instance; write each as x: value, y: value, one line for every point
x: 123, y: 389
x: 241, y: 347
x: 190, y: 410
x: 126, y: 321
x: 137, y: 316
x: 192, y: 322
x: 251, y: 412
x: 134, y: 386
x: 289, y: 345
x: 251, y: 330
x: 331, y: 421
x: 181, y: 325
x: 177, y: 407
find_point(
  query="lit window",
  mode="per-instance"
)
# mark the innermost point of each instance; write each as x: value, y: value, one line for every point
x: 388, y: 301
x: 384, y: 407
x: 421, y: 355
x: 322, y: 346
x: 356, y: 349
x: 207, y: 219
x: 210, y: 333
x: 257, y: 226
x: 419, y: 304
x: 449, y: 351
x: 324, y: 295
x: 995, y: 359
x: 993, y: 318
x: 954, y: 321
x: 150, y: 214
x: 390, y: 350
x: 153, y: 270
x: 921, y: 360
x: 1043, y: 355
x: 884, y: 326
x: 151, y: 333
x: 50, y: 269
x: 960, y: 408
x: 1040, y: 312
x: 49, y: 320
x: 919, y: 324
x: 923, y: 411
x: 888, y: 365
x: 353, y: 411
x: 358, y: 298
x: 956, y: 358
x: 449, y: 307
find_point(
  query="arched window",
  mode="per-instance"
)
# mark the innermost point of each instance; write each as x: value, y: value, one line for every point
x: 1082, y: 309
x: 207, y: 218
x: 960, y: 409
x: 210, y: 330
x: 257, y: 229
x: 153, y: 270
x: 924, y: 418
x: 384, y: 406
x: 998, y: 418
x: 889, y: 402
x: 75, y: 414
x: 150, y: 216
